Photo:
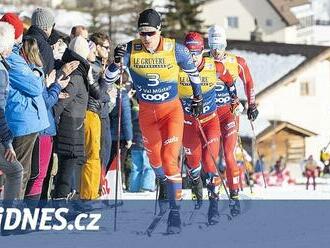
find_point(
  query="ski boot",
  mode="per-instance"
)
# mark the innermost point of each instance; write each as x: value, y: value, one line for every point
x: 162, y: 195
x: 174, y: 222
x: 234, y: 204
x: 213, y: 212
x: 197, y: 191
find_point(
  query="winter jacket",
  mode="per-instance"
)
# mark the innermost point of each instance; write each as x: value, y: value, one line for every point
x: 98, y: 97
x: 50, y: 96
x: 126, y: 119
x: 70, y: 112
x: 45, y: 49
x: 6, y: 136
x: 76, y: 104
x: 26, y: 111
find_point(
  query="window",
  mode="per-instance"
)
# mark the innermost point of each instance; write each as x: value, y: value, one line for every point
x: 269, y: 22
x: 306, y: 89
x: 232, y: 21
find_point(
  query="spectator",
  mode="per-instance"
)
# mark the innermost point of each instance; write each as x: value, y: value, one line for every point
x: 26, y: 111
x: 312, y: 170
x: 102, y: 42
x: 79, y: 30
x: 8, y: 162
x: 142, y: 176
x: 260, y: 164
x: 42, y: 23
x: 91, y: 170
x: 43, y: 147
x: 126, y: 134
x: 70, y: 114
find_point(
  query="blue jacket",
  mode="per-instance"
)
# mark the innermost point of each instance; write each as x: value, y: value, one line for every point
x: 50, y: 96
x: 26, y: 111
x: 126, y: 119
x: 6, y: 136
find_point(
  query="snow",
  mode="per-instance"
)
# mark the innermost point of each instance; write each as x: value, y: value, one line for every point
x: 65, y: 20
x: 266, y: 68
x: 268, y: 224
x: 322, y: 35
x: 245, y: 129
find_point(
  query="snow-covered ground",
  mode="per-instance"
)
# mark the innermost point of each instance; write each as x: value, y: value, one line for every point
x: 289, y: 192
x: 263, y: 223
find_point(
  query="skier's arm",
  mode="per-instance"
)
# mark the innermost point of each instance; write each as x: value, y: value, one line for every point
x: 245, y: 76
x: 112, y: 72
x: 184, y: 60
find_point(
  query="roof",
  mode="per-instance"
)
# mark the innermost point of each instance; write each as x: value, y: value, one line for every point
x: 264, y: 128
x: 277, y: 126
x: 282, y: 7
x: 272, y: 63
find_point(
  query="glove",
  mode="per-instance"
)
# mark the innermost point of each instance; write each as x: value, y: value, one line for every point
x: 252, y: 112
x: 197, y: 106
x: 120, y: 52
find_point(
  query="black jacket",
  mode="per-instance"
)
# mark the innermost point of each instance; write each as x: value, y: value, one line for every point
x: 70, y: 112
x: 45, y: 49
x: 98, y: 96
x: 76, y: 105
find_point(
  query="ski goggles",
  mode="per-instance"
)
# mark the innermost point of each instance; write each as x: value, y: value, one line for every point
x: 196, y: 53
x: 217, y: 46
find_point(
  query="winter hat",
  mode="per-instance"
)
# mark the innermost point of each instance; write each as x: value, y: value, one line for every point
x: 7, y: 36
x: 80, y: 46
x: 149, y: 20
x: 194, y: 41
x: 13, y: 19
x: 217, y: 38
x: 42, y: 18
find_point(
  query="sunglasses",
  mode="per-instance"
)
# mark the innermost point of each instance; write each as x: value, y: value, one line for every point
x: 147, y: 33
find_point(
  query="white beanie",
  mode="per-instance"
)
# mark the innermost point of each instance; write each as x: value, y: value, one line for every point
x: 217, y: 37
x: 7, y: 36
x: 80, y: 46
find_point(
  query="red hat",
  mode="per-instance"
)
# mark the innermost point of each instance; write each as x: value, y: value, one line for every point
x: 194, y: 41
x: 13, y: 19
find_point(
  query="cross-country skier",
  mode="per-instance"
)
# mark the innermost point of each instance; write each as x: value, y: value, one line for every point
x: 196, y: 150
x: 154, y: 63
x: 230, y: 67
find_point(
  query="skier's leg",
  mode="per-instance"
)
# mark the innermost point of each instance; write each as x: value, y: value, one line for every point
x: 193, y: 149
x: 229, y: 135
x: 171, y: 126
x: 212, y: 133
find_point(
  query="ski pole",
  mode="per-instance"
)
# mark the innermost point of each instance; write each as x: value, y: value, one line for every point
x: 257, y: 150
x: 213, y: 158
x: 118, y: 164
x: 244, y: 161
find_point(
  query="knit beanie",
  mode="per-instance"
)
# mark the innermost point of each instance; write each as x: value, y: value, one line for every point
x: 80, y: 46
x: 13, y: 19
x: 42, y: 18
x: 7, y: 36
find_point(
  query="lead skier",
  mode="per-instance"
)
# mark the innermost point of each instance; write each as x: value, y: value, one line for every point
x: 154, y: 63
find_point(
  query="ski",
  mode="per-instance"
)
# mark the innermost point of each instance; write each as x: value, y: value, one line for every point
x: 153, y: 225
x: 191, y: 217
